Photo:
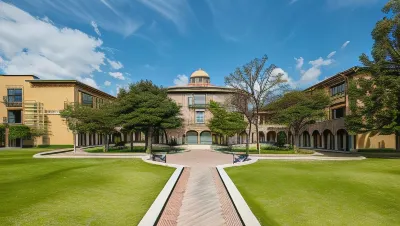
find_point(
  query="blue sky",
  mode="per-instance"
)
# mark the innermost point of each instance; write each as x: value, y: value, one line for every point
x: 110, y: 43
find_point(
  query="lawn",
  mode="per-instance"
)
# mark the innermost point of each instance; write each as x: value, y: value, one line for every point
x: 138, y: 149
x: 76, y: 191
x: 321, y: 192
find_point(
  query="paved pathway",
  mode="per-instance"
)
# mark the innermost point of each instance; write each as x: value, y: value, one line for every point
x: 205, y: 200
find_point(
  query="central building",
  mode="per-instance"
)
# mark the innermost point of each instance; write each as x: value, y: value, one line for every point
x: 194, y: 99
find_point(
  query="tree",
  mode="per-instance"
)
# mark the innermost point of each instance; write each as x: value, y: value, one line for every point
x: 147, y: 107
x: 297, y: 109
x: 83, y: 119
x: 375, y: 99
x: 259, y: 85
x: 224, y: 122
x: 19, y: 131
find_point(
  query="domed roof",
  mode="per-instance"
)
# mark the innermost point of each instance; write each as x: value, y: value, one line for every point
x: 199, y: 73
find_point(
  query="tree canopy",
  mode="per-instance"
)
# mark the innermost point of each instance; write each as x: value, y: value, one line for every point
x: 258, y: 84
x: 225, y: 122
x: 297, y: 109
x: 375, y: 99
x: 147, y: 107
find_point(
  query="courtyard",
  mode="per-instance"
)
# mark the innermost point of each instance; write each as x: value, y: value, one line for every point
x: 76, y: 191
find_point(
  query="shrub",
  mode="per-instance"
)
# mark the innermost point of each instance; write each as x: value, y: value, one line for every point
x: 19, y: 131
x: 120, y: 143
x: 173, y: 142
x: 281, y: 139
x: 304, y: 151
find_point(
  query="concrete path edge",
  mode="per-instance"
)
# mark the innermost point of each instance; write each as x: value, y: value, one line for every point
x: 155, y: 210
x: 243, y: 209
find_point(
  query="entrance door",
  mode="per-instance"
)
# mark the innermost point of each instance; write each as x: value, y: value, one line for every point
x: 191, y: 137
x: 205, y: 138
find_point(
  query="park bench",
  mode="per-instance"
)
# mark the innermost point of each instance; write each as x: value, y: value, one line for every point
x: 240, y: 158
x: 159, y: 157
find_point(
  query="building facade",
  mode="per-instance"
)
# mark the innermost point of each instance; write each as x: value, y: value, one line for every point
x: 194, y: 99
x: 37, y: 103
x: 330, y: 133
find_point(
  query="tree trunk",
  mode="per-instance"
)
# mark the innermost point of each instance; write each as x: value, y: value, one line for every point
x: 166, y: 136
x: 74, y: 140
x: 132, y: 134
x: 296, y: 141
x: 258, y: 141
x: 247, y: 140
x: 149, y: 141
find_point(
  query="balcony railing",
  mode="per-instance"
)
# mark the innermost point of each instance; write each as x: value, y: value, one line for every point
x: 198, y: 106
x: 11, y: 104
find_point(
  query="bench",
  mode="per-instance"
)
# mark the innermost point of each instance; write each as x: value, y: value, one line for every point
x: 240, y: 158
x: 161, y: 157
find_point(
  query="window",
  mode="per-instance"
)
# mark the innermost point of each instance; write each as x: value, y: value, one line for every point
x: 14, y: 117
x: 338, y: 89
x: 200, y: 100
x: 190, y: 101
x: 14, y: 95
x: 87, y: 99
x: 338, y: 113
x: 199, y: 116
x: 99, y: 102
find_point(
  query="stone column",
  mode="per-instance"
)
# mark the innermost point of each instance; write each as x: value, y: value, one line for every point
x: 122, y: 137
x: 312, y: 142
x: 328, y: 141
x: 76, y: 139
x: 96, y: 139
x: 345, y: 142
x: 87, y: 139
x: 336, y: 147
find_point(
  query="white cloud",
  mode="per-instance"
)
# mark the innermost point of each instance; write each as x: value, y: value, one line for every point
x: 88, y: 81
x: 109, y: 15
x: 117, y: 75
x: 125, y: 87
x: 181, y: 80
x: 95, y: 27
x: 292, y: 2
x: 30, y: 45
x: 107, y: 83
x: 314, y: 71
x: 331, y: 54
x: 299, y: 63
x: 115, y: 64
x: 345, y: 44
x: 285, y: 76
x: 176, y: 11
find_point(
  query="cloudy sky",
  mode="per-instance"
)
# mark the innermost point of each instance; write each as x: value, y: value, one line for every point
x: 111, y: 43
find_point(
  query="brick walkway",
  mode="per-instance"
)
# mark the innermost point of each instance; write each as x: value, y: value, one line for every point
x: 204, y: 200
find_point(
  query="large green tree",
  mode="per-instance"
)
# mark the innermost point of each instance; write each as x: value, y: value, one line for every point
x: 147, y: 107
x: 224, y: 122
x: 375, y: 99
x: 297, y: 109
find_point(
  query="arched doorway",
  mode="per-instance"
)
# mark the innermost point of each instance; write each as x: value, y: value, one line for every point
x: 342, y: 140
x: 191, y: 137
x: 271, y: 136
x: 261, y: 136
x: 242, y: 138
x: 305, y: 136
x: 317, y: 139
x: 329, y: 140
x: 205, y: 137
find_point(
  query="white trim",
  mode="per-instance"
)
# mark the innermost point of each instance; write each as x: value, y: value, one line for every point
x: 243, y: 209
x: 155, y: 210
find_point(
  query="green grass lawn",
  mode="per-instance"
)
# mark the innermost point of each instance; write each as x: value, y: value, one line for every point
x: 137, y: 149
x: 76, y: 191
x: 321, y: 192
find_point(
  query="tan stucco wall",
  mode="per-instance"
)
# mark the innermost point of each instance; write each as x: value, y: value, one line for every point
x: 52, y: 96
